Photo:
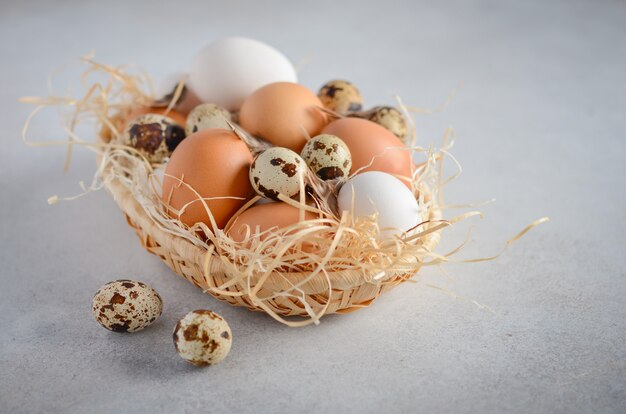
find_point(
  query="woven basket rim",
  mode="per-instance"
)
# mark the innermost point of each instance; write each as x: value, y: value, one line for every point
x: 344, y: 279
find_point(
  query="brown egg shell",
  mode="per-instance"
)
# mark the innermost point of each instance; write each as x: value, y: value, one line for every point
x: 283, y: 113
x: 215, y: 163
x: 263, y: 217
x: 370, y: 143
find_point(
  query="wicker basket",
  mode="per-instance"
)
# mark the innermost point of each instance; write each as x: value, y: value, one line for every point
x: 319, y: 292
x: 331, y: 292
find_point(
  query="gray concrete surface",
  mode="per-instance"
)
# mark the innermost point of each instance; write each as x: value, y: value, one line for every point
x: 540, y: 118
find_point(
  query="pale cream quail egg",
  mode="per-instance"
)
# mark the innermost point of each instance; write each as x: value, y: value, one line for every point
x: 207, y: 115
x: 327, y: 156
x: 202, y: 338
x: 154, y: 136
x: 340, y: 96
x: 277, y: 171
x: 126, y: 306
x: 388, y: 117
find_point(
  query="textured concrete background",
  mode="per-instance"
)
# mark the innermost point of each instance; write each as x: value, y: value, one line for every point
x: 540, y: 120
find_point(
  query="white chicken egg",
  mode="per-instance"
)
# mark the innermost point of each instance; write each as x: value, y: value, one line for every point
x: 228, y: 70
x: 374, y: 192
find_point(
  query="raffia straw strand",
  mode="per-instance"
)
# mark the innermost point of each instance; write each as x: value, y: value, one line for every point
x: 345, y: 269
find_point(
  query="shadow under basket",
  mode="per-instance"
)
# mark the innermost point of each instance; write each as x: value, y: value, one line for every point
x: 327, y: 292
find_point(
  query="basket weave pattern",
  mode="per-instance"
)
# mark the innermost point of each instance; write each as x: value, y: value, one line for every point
x: 328, y: 292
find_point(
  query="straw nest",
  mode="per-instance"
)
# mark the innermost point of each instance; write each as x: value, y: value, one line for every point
x: 348, y: 267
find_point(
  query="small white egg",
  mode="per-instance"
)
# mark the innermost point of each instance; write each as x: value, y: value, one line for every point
x: 228, y: 70
x: 374, y: 192
x: 205, y: 116
x: 154, y: 136
x: 327, y: 156
x: 126, y: 306
x: 202, y: 338
x: 277, y: 170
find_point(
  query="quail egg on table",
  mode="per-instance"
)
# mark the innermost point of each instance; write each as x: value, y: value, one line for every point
x: 340, y: 96
x: 154, y: 136
x: 327, y: 156
x: 207, y: 115
x: 202, y: 338
x: 126, y: 306
x: 277, y: 171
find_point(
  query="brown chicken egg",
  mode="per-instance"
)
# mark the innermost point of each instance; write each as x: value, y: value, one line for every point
x: 262, y: 217
x: 371, y: 143
x: 215, y: 163
x: 283, y: 113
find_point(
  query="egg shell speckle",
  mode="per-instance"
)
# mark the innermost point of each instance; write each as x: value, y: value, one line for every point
x: 373, y: 148
x: 207, y: 116
x: 126, y: 306
x: 154, y: 136
x: 328, y: 157
x: 277, y: 171
x: 202, y: 338
x: 388, y: 117
x: 340, y: 96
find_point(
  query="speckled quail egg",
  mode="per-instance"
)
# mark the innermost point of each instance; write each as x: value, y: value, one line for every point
x: 340, y: 96
x: 207, y: 115
x: 327, y: 156
x: 126, y: 306
x: 154, y: 136
x: 277, y: 170
x: 202, y: 338
x: 388, y: 117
